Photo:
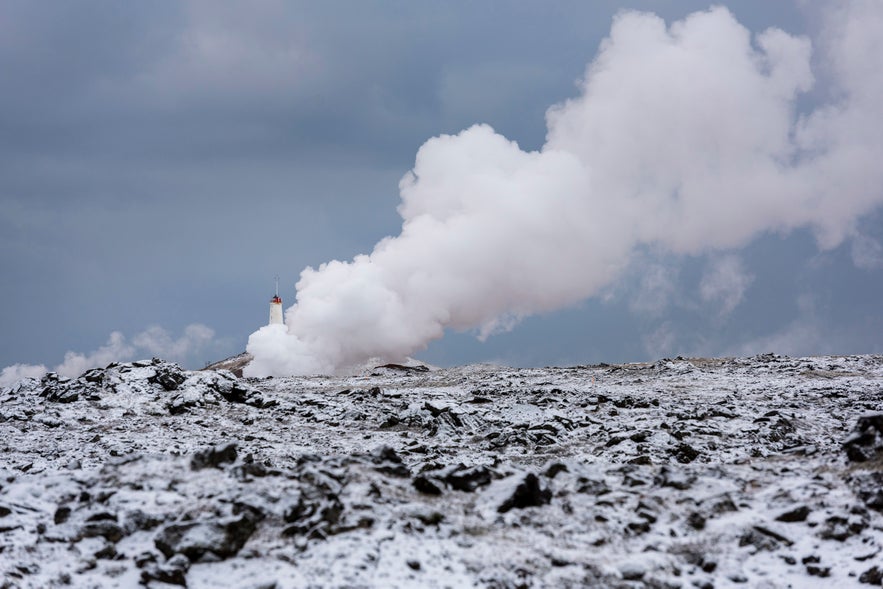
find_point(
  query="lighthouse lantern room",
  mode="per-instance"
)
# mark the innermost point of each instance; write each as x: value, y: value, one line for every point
x: 276, y: 307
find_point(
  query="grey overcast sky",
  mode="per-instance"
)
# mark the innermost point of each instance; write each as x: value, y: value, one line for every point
x: 161, y: 162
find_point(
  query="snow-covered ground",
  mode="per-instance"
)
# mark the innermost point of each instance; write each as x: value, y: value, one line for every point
x: 757, y: 472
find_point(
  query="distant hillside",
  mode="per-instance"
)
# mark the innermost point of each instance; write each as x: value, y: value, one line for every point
x: 234, y: 364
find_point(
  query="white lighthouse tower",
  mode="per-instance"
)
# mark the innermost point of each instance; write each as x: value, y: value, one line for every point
x: 276, y: 307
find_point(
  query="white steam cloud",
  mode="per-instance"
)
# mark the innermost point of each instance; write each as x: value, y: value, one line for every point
x: 155, y: 341
x: 685, y: 138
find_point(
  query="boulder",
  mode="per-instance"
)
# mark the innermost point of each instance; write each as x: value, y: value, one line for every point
x: 865, y: 441
x: 388, y: 462
x: 872, y: 576
x: 528, y: 493
x: 198, y: 540
x: 173, y: 572
x: 798, y: 514
x: 214, y: 456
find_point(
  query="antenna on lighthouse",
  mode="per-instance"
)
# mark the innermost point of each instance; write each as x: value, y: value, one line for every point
x: 276, y: 307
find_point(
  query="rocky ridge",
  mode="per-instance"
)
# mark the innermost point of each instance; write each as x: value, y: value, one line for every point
x: 755, y: 472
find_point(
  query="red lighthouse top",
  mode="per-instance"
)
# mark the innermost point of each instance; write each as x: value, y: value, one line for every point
x: 276, y: 298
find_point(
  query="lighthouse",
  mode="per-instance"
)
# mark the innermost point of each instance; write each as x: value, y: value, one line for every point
x: 276, y: 307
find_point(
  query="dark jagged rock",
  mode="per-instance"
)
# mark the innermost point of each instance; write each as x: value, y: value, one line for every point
x: 108, y: 551
x: 696, y: 521
x: 427, y: 485
x: 675, y: 479
x: 316, y: 510
x: 774, y: 535
x: 865, y: 441
x: 684, y: 453
x: 108, y: 530
x: 642, y: 460
x: 867, y: 422
x: 60, y: 393
x: 869, y: 488
x: 250, y: 468
x: 95, y: 375
x: 237, y: 393
x: 638, y: 527
x: 391, y: 421
x: 592, y: 486
x: 634, y: 476
x: 314, y: 515
x: 458, y: 477
x: 758, y: 539
x: 169, y: 377
x: 62, y: 513
x: 798, y: 514
x: 178, y: 405
x: 528, y: 493
x: 719, y: 505
x: 248, y: 508
x: 389, y: 462
x: 872, y: 576
x: 221, y: 538
x: 553, y: 469
x: 842, y: 528
x: 859, y: 452
x: 214, y: 457
x: 139, y: 520
x: 173, y: 571
x: 468, y: 479
x: 167, y: 382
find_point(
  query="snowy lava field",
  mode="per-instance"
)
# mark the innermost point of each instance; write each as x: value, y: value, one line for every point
x: 755, y: 472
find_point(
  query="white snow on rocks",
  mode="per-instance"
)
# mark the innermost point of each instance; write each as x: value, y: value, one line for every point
x: 754, y: 472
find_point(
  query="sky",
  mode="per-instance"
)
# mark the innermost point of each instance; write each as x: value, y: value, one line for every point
x: 162, y: 162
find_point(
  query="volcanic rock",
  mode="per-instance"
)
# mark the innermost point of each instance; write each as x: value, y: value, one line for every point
x: 798, y: 514
x: 528, y: 493
x: 214, y: 456
x: 220, y: 538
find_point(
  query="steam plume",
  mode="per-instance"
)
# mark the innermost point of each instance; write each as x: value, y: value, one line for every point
x: 683, y: 137
x: 154, y: 341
